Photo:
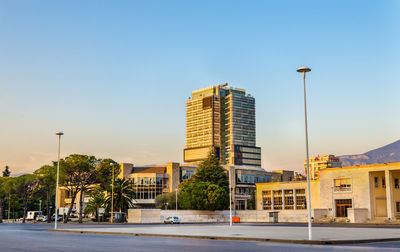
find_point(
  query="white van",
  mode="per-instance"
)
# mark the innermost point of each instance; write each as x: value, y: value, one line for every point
x: 33, y: 215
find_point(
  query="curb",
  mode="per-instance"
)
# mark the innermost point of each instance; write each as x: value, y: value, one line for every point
x: 314, y: 242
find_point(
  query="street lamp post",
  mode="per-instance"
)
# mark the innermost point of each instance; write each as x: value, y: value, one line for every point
x: 112, y: 194
x: 176, y: 199
x: 304, y: 70
x: 59, y: 134
x: 230, y: 198
x: 230, y: 192
x: 9, y: 206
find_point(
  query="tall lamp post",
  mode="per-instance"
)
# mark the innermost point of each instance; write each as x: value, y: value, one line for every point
x: 112, y: 194
x: 230, y: 192
x: 230, y: 198
x: 304, y: 70
x: 59, y: 134
x: 9, y: 206
x: 176, y: 199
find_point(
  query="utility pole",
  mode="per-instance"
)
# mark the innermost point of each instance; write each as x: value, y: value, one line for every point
x: 112, y: 194
x: 59, y: 134
x: 9, y: 206
x: 176, y: 199
x: 304, y: 70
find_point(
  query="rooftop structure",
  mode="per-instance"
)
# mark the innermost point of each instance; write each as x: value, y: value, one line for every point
x: 321, y: 162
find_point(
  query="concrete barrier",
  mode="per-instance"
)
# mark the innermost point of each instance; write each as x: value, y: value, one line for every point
x: 357, y: 215
x: 201, y: 216
x: 144, y: 216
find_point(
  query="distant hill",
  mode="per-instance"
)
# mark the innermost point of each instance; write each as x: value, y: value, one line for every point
x: 386, y: 154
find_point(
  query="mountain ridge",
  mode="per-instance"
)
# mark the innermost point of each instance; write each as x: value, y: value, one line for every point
x: 386, y: 154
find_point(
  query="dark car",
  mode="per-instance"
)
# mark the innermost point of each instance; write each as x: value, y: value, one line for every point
x: 59, y: 218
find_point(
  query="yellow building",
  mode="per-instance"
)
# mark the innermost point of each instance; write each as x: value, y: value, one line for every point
x: 150, y: 181
x: 319, y: 163
x: 222, y: 119
x: 357, y: 193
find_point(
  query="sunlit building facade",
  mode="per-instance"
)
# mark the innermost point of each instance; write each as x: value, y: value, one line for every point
x: 356, y: 193
x: 148, y: 182
x: 222, y: 119
x: 319, y: 163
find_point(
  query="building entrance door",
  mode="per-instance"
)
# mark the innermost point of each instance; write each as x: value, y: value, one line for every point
x: 381, y: 207
x: 341, y: 207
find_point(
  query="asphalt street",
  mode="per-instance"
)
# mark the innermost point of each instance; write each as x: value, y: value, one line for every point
x: 35, y: 237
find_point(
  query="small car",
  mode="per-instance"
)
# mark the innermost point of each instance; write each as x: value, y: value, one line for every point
x: 59, y: 218
x: 171, y: 220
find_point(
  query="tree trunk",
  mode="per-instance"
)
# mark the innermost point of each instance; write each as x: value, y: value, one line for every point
x: 1, y: 210
x: 25, y: 208
x: 72, y: 205
x: 48, y: 206
x: 98, y: 215
x: 80, y: 206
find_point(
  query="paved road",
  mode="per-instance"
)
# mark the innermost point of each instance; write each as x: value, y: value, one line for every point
x: 35, y: 237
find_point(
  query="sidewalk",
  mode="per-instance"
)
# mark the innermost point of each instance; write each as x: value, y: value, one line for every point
x: 321, y: 235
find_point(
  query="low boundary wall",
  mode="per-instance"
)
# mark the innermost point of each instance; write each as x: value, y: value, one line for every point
x: 200, y: 216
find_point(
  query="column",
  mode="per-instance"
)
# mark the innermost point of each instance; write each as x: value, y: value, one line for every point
x: 389, y: 194
x: 272, y: 200
x: 294, y: 200
x: 283, y: 199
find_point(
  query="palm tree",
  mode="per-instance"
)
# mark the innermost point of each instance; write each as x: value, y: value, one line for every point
x: 123, y: 195
x: 97, y: 201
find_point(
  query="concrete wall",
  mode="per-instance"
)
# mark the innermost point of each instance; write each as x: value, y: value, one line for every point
x: 319, y: 213
x: 198, y: 216
x: 357, y: 215
x: 188, y: 216
x: 144, y: 216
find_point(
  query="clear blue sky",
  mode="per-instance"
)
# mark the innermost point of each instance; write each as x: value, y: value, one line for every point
x: 115, y: 75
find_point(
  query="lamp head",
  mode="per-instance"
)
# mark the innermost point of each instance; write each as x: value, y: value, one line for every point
x: 59, y: 133
x: 303, y: 69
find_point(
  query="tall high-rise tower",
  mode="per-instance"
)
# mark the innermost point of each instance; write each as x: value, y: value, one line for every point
x: 221, y: 118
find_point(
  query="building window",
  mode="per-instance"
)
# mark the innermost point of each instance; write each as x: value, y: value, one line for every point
x: 376, y: 182
x: 396, y: 183
x: 342, y: 185
x: 383, y: 183
x: 267, y: 202
x: 398, y: 206
x: 278, y: 199
x: 300, y: 199
x: 341, y: 207
x: 289, y: 201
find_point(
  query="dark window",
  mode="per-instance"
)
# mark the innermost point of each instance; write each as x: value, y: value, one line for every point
x: 383, y: 183
x: 341, y: 207
x: 396, y: 183
x: 207, y: 102
x: 376, y: 181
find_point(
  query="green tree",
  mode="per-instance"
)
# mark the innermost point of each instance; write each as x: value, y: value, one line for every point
x: 78, y: 173
x: 208, y: 189
x: 24, y: 186
x: 46, y: 182
x: 6, y: 172
x: 251, y: 203
x: 105, y: 172
x: 211, y: 171
x: 4, y: 192
x: 166, y: 201
x: 123, y: 195
x: 14, y: 204
x: 97, y: 201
